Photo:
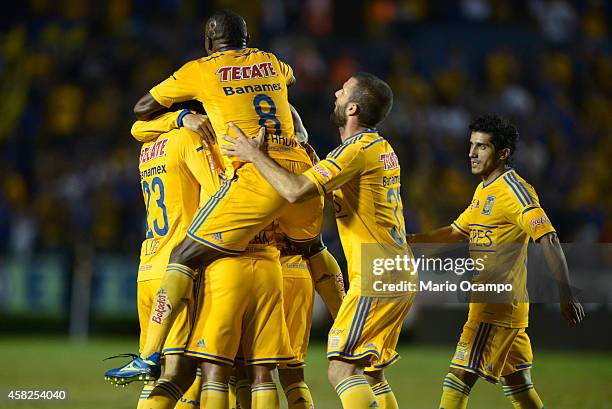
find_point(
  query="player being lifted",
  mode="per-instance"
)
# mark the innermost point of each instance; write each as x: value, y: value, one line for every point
x: 176, y: 178
x: 364, y: 175
x: 247, y: 86
x: 504, y: 215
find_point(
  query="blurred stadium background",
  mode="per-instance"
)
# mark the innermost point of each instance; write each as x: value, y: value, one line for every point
x: 71, y: 211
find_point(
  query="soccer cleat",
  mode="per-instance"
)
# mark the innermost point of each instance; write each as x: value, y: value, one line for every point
x: 138, y: 369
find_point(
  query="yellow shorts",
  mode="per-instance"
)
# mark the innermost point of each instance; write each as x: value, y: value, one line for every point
x: 368, y: 327
x: 298, y: 299
x: 247, y: 204
x: 179, y: 332
x: 240, y: 308
x: 491, y: 351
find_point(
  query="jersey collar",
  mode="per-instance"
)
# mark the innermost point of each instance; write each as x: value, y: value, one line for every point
x: 235, y: 49
x: 373, y: 130
x: 496, y: 177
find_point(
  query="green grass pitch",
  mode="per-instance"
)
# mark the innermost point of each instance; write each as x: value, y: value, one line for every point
x: 565, y: 380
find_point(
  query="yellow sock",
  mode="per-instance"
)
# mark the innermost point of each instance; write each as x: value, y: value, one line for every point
x: 174, y: 286
x: 523, y: 396
x: 328, y: 280
x: 164, y: 396
x: 243, y: 394
x: 146, y: 390
x: 232, y: 393
x: 191, y: 398
x: 215, y: 395
x: 264, y: 396
x: 298, y: 396
x: 355, y: 393
x: 455, y: 393
x: 384, y: 396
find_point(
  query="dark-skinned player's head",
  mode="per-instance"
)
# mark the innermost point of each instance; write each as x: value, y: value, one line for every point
x: 225, y: 29
x: 365, y: 96
x: 492, y: 142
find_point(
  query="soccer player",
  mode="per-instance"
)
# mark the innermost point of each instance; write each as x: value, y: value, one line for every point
x: 504, y: 216
x: 248, y: 86
x: 175, y: 178
x: 364, y: 175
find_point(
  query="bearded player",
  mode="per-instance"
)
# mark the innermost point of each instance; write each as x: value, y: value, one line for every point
x: 364, y: 175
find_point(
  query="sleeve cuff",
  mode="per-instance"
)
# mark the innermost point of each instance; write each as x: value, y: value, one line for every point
x: 179, y: 120
x: 460, y: 230
x: 315, y: 181
x: 161, y: 100
x: 539, y: 236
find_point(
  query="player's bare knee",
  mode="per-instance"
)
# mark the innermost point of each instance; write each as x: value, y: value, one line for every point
x: 468, y: 378
x: 180, y: 369
x: 215, y: 372
x: 374, y: 377
x: 185, y: 253
x: 261, y: 373
x: 339, y: 370
x: 194, y: 255
x: 289, y: 376
x: 517, y: 378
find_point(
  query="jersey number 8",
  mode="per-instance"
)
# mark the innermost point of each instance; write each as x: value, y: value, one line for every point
x: 267, y: 116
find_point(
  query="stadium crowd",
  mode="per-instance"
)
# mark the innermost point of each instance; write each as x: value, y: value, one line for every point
x: 71, y: 71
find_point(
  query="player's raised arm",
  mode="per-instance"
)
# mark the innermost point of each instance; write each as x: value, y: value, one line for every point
x: 182, y: 85
x: 571, y: 309
x: 145, y: 131
x: 289, y: 185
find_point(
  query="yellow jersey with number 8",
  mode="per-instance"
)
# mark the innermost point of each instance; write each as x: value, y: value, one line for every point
x: 245, y: 86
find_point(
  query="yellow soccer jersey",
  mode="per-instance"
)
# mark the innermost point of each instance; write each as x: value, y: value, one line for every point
x: 175, y: 178
x: 364, y: 175
x: 245, y: 86
x: 503, y: 216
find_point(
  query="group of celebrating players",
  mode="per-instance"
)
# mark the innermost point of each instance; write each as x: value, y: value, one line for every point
x: 233, y: 250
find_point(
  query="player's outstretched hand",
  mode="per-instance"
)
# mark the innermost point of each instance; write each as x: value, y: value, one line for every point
x: 572, y: 311
x: 242, y: 147
x: 201, y: 125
